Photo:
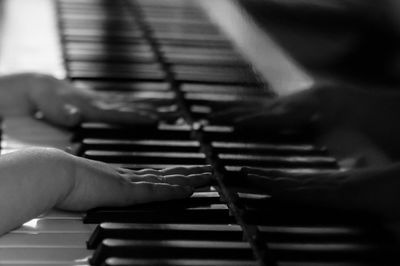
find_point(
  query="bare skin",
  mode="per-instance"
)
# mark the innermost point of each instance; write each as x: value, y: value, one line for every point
x: 34, y: 180
x: 60, y: 103
x: 375, y: 190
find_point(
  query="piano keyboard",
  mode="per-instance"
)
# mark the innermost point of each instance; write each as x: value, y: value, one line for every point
x: 171, y: 51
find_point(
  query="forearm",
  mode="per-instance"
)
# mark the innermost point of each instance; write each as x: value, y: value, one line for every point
x: 30, y: 184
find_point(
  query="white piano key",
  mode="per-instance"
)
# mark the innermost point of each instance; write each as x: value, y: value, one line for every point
x: 44, y: 256
x: 44, y: 225
x: 44, y: 240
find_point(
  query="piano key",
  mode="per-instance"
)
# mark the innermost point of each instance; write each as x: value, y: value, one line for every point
x: 215, y: 213
x: 228, y: 100
x: 44, y: 256
x: 140, y: 145
x: 202, y: 207
x: 267, y: 148
x: 108, y: 48
x: 106, y: 56
x: 223, y: 89
x: 146, y: 157
x: 51, y: 224
x: 103, y: 32
x: 281, y: 172
x: 181, y: 27
x: 122, y: 86
x: 103, y: 39
x: 171, y: 249
x: 123, y: 67
x: 193, y: 42
x: 164, y: 231
x: 49, y: 240
x: 191, y: 37
x: 226, y: 132
x: 108, y: 131
x: 278, y: 161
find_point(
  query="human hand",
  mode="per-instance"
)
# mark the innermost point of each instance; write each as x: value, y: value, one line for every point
x: 63, y: 104
x: 35, y: 180
x: 98, y: 184
x: 297, y: 110
x: 375, y: 191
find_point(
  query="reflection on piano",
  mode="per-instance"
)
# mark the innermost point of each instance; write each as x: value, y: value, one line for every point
x: 172, y: 51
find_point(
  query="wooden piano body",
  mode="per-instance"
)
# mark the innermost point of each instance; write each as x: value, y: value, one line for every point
x: 217, y: 227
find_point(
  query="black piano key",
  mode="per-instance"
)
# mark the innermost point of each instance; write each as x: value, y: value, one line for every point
x: 96, y: 17
x: 146, y: 157
x: 140, y: 145
x: 203, y: 74
x: 291, y: 161
x: 230, y: 133
x: 279, y: 172
x: 194, y: 43
x: 202, y: 207
x: 109, y: 47
x: 171, y: 249
x: 151, y: 131
x: 117, y: 34
x: 216, y: 213
x: 116, y: 75
x: 102, y: 39
x: 122, y: 86
x: 223, y: 100
x: 223, y: 89
x: 152, y: 165
x: 106, y: 56
x: 184, y: 28
x: 208, y: 60
x: 129, y: 71
x: 181, y: 262
x: 267, y: 148
x: 98, y: 24
x: 164, y: 231
x: 213, y: 38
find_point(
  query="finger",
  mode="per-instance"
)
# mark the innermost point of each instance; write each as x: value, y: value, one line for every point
x: 145, y: 178
x: 121, y: 116
x: 186, y: 170
x: 230, y: 113
x: 58, y: 112
x: 301, y: 174
x: 194, y: 180
x: 144, y: 192
x: 270, y: 185
x: 146, y: 172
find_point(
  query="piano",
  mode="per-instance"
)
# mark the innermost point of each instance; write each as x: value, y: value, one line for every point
x: 201, y: 56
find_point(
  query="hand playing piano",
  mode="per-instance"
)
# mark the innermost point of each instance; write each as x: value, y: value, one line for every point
x: 60, y: 103
x: 375, y: 191
x: 325, y: 108
x: 35, y: 180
